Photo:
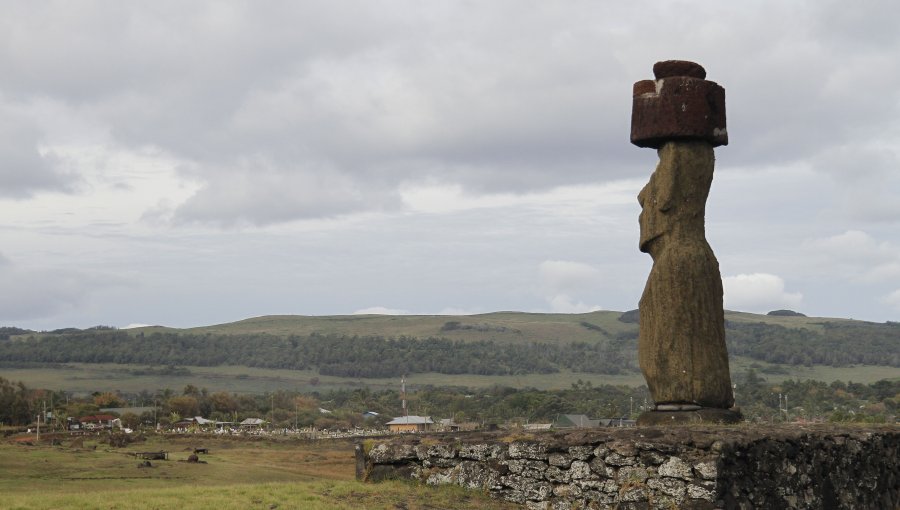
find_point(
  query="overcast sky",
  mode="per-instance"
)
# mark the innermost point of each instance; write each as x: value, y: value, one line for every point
x: 191, y: 163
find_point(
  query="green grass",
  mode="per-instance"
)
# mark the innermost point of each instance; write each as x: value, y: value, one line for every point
x: 81, y: 378
x: 238, y: 474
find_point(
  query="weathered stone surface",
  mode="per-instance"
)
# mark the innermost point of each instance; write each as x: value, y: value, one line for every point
x: 557, y: 475
x: 681, y: 346
x: 676, y: 468
x: 669, y: 487
x: 580, y: 470
x: 614, y: 459
x: 527, y: 450
x: 442, y: 450
x: 479, y: 451
x: 559, y: 459
x: 387, y: 453
x: 633, y: 474
x: 581, y: 452
x: 476, y: 475
x: 706, y: 470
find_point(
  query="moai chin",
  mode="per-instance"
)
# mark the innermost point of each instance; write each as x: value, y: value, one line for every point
x: 681, y: 342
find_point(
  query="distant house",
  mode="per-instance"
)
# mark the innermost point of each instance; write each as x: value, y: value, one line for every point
x: 370, y: 414
x: 449, y: 425
x: 252, y: 423
x: 575, y: 421
x: 410, y: 424
x: 97, y: 421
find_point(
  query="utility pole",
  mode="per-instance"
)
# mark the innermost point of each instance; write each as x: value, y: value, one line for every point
x: 403, y: 395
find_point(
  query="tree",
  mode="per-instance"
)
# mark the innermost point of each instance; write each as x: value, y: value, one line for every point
x: 184, y: 406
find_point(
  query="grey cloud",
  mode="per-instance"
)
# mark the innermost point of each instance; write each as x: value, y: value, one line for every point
x: 257, y: 193
x: 380, y: 94
x: 23, y: 169
x: 38, y: 293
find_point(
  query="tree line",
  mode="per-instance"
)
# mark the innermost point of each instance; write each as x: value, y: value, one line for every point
x: 356, y: 356
x: 833, y: 343
x: 760, y: 401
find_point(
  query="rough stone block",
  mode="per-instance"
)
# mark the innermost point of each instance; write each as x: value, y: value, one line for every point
x: 676, y: 468
x: 388, y: 453
x: 706, y: 470
x: 527, y: 450
x: 559, y: 459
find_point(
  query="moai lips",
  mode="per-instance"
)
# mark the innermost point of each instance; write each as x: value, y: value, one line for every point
x: 680, y: 104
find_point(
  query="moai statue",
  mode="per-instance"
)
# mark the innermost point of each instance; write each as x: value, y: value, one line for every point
x: 681, y: 343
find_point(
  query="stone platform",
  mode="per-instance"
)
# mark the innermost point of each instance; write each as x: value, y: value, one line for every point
x: 705, y: 415
x: 693, y: 467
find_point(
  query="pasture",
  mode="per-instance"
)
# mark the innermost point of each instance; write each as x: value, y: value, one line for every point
x: 84, y: 378
x: 237, y: 474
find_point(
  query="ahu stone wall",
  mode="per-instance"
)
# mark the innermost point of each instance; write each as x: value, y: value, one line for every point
x: 741, y: 467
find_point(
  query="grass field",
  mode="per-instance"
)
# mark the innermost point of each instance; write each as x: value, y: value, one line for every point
x: 82, y: 378
x: 238, y: 475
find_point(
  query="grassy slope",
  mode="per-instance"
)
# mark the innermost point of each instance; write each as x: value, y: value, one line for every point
x: 519, y: 327
x: 538, y: 327
x: 238, y: 475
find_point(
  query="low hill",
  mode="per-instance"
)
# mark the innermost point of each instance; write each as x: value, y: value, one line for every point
x: 502, y: 343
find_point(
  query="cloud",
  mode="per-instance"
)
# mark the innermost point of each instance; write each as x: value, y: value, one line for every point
x: 562, y: 279
x: 893, y: 299
x: 40, y: 293
x: 758, y: 292
x: 564, y: 276
x: 255, y: 192
x: 858, y: 255
x: 24, y: 170
x: 381, y: 310
x: 561, y: 303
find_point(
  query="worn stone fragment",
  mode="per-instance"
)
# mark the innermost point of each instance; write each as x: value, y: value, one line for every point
x: 555, y: 474
x: 676, y: 468
x: 386, y: 453
x: 614, y: 459
x: 442, y: 450
x: 527, y: 450
x: 559, y: 459
x: 580, y: 470
x: 668, y: 486
x: 581, y: 452
x: 706, y: 470
x: 697, y: 492
x: 478, y: 451
x: 632, y: 474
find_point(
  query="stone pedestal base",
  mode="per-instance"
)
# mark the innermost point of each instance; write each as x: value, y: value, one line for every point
x: 702, y: 415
